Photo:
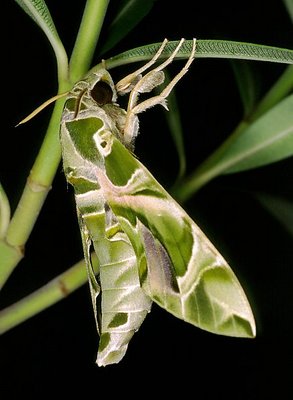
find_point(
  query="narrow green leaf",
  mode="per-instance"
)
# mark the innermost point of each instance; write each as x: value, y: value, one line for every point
x: 129, y: 14
x: 280, y: 208
x: 268, y: 139
x: 4, y: 212
x: 289, y: 6
x: 38, y: 11
x: 247, y: 84
x: 280, y: 89
x: 206, y: 49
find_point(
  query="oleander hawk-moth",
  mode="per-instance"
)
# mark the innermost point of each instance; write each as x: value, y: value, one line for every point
x: 148, y: 248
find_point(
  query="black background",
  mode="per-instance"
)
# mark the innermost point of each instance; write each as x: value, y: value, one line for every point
x: 54, y: 352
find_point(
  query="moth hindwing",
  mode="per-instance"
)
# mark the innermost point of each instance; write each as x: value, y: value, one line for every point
x: 147, y: 247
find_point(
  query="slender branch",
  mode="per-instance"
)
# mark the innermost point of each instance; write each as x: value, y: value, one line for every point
x: 51, y: 293
x: 87, y: 38
x: 33, y: 197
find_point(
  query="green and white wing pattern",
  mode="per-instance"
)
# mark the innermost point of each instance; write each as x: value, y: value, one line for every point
x: 148, y: 248
x: 178, y: 266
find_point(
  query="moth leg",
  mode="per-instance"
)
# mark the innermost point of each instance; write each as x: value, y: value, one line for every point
x: 151, y: 80
x: 147, y: 83
x: 126, y: 84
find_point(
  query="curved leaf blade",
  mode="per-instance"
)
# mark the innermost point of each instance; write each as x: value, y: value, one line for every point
x: 280, y: 89
x: 206, y: 49
x: 39, y: 12
x: 289, y: 6
x: 267, y: 140
x: 247, y: 85
x: 244, y: 51
x: 129, y: 14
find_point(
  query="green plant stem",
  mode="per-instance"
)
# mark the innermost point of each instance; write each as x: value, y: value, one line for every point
x: 44, y: 169
x: 87, y: 38
x: 32, y: 199
x: 212, y: 166
x: 51, y: 293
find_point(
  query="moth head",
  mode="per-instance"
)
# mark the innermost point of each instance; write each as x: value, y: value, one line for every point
x: 99, y: 85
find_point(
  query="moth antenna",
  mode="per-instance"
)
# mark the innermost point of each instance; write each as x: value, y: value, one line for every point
x: 41, y: 107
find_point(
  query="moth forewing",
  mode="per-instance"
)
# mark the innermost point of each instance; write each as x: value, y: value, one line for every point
x: 179, y: 267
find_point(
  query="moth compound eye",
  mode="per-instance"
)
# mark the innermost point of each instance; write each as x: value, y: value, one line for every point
x: 102, y: 93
